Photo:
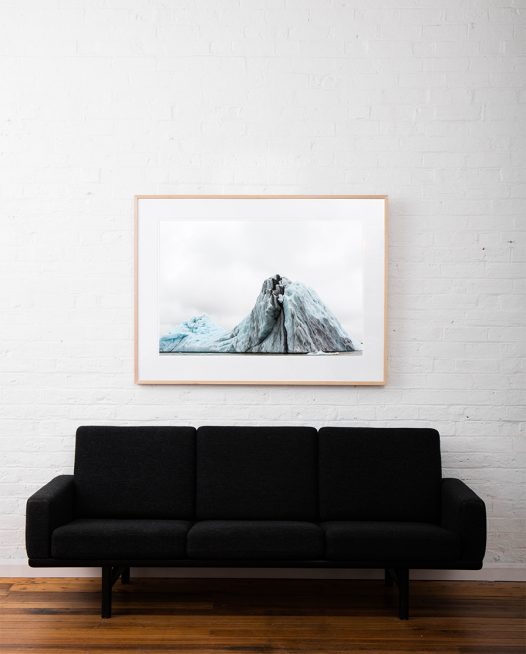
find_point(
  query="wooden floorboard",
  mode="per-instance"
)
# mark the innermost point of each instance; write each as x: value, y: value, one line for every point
x: 198, y: 616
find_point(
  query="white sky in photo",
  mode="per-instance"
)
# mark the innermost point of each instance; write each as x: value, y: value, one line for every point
x: 218, y: 267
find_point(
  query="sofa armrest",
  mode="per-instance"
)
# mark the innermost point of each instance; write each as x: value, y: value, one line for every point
x: 47, y: 509
x: 464, y: 513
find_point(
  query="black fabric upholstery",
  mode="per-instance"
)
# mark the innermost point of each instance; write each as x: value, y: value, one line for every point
x: 256, y: 473
x: 389, y: 541
x: 368, y: 497
x: 464, y: 513
x: 379, y: 474
x: 46, y: 509
x: 255, y: 539
x: 120, y: 539
x: 135, y: 472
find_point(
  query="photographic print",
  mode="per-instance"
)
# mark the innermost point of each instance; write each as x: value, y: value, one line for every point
x: 218, y: 293
x: 260, y: 289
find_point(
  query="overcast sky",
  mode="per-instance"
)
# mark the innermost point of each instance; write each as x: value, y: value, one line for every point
x: 218, y: 267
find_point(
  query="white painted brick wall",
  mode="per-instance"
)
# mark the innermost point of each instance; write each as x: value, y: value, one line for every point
x: 423, y: 100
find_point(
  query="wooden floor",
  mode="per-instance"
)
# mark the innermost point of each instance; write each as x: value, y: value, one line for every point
x: 261, y: 616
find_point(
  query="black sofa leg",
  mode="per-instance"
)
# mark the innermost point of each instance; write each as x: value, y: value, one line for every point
x: 388, y: 579
x: 107, y: 583
x: 402, y: 577
x: 125, y: 576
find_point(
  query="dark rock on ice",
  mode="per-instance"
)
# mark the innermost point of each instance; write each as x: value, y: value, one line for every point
x: 288, y: 317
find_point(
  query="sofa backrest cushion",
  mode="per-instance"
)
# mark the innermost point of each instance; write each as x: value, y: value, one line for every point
x: 135, y: 472
x: 379, y: 474
x: 256, y: 473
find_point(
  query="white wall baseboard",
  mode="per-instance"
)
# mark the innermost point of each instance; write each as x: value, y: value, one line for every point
x: 500, y: 573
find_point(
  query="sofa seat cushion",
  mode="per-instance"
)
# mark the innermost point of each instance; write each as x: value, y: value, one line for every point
x: 108, y: 538
x: 389, y: 541
x: 255, y: 539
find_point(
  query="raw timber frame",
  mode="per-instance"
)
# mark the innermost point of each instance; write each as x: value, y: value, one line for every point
x: 140, y: 378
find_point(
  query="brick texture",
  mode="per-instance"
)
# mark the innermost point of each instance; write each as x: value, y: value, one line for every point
x: 425, y: 101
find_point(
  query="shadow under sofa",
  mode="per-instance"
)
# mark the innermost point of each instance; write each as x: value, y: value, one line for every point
x: 278, y: 497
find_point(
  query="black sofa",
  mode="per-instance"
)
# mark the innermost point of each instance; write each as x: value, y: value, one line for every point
x: 256, y: 497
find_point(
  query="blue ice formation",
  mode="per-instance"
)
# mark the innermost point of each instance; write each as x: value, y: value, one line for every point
x: 287, y: 318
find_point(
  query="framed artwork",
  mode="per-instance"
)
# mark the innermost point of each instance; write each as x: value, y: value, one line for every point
x: 260, y: 289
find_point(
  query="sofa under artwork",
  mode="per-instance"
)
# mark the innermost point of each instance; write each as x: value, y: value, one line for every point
x: 250, y: 289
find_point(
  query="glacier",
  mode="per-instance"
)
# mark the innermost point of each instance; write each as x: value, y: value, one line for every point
x: 287, y: 318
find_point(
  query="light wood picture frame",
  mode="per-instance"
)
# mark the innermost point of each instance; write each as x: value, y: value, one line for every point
x: 260, y: 289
